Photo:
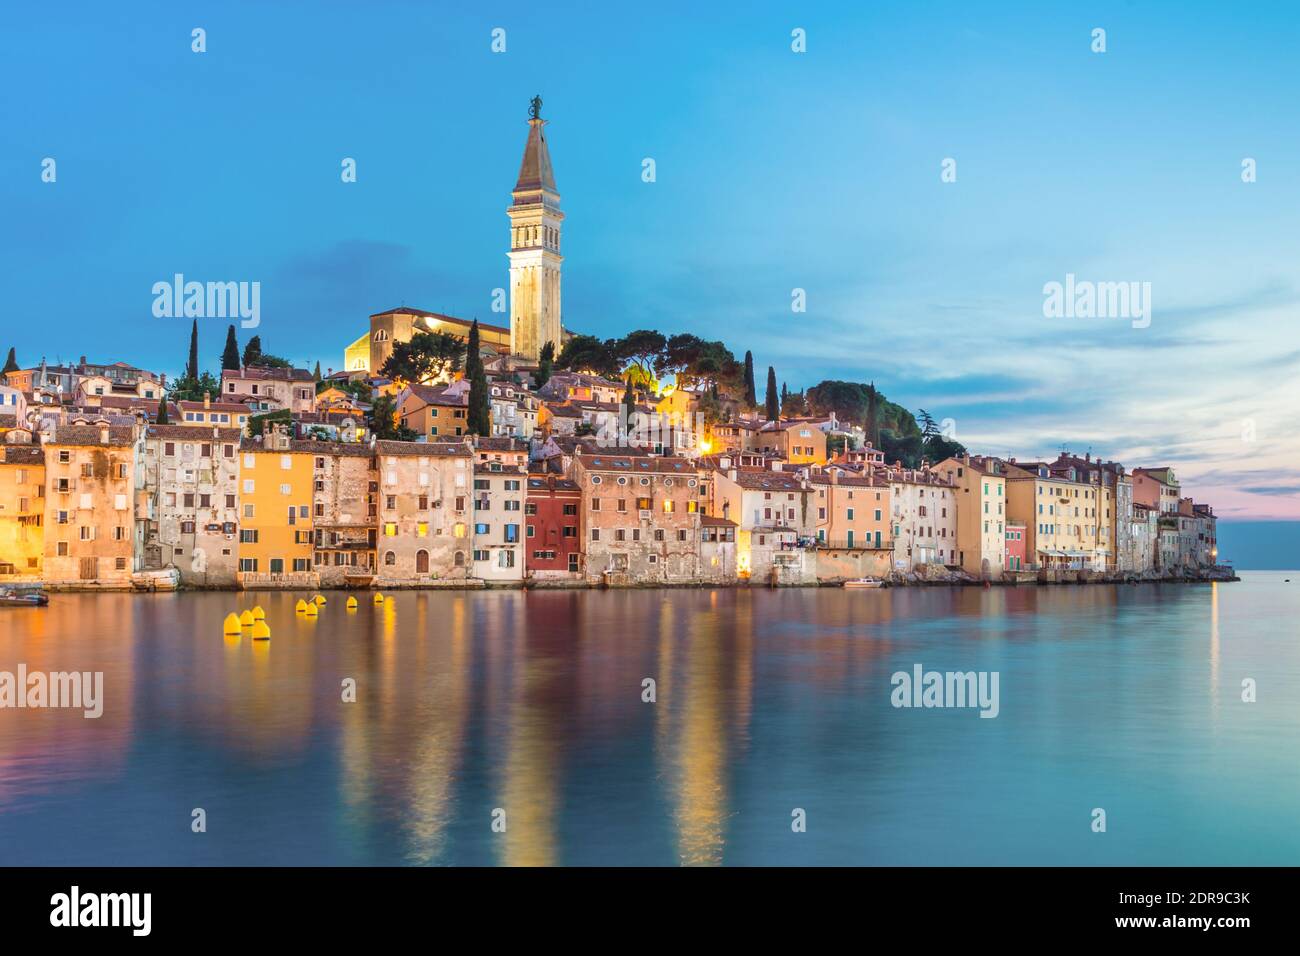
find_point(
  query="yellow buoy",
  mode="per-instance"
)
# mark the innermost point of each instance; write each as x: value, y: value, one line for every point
x: 379, y: 599
x: 300, y: 606
x: 261, y: 632
x: 352, y: 604
x: 231, y: 625
x: 258, y: 613
x: 309, y: 610
x: 319, y: 599
x: 246, y: 619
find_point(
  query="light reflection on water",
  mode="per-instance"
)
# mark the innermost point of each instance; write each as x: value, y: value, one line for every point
x: 1127, y: 698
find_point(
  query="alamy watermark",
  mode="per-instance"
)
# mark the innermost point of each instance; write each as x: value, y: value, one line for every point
x: 922, y: 688
x: 82, y: 690
x: 1084, y: 299
x: 208, y: 300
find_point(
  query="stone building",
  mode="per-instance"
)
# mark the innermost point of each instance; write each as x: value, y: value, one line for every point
x: 424, y: 491
x: 923, y: 505
x: 717, y: 550
x: 776, y: 521
x: 853, y: 524
x: 190, y: 477
x: 91, y: 536
x: 640, y: 519
x: 291, y: 388
x: 345, y: 509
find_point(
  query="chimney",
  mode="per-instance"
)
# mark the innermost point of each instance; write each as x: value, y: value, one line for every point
x: 207, y: 400
x: 835, y: 476
x: 731, y: 473
x: 1087, y: 456
x: 103, y: 429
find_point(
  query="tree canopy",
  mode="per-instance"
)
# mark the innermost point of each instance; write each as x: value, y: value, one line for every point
x: 427, y: 357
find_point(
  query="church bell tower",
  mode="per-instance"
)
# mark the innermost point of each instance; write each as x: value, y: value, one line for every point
x: 535, y: 258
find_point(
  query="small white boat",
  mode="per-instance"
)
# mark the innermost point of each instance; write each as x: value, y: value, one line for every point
x: 865, y: 583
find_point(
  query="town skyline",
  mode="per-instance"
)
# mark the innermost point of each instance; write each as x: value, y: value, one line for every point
x: 681, y: 254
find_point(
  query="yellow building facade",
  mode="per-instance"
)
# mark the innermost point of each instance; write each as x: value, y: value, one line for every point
x: 276, y: 482
x: 22, y: 512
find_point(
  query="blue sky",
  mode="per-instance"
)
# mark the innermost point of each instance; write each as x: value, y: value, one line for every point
x: 775, y: 171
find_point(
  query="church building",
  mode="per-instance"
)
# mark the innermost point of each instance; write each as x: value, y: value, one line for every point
x: 535, y: 261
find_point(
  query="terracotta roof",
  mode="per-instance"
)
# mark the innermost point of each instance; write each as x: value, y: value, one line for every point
x: 641, y: 463
x: 416, y: 448
x: 437, y: 395
x: 542, y: 483
x: 90, y: 435
x: 755, y: 480
x: 713, y: 521
x: 191, y: 432
x: 262, y: 374
x: 23, y: 454
x: 454, y: 320
x: 8, y: 421
x: 500, y: 443
x: 187, y: 406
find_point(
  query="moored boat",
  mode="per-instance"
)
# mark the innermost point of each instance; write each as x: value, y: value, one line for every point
x: 864, y: 583
x: 12, y: 598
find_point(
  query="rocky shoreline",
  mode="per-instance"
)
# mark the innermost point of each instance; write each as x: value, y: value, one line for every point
x: 925, y: 576
x: 934, y: 575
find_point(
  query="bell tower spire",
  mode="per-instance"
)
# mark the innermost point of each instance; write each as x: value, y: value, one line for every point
x: 534, y: 255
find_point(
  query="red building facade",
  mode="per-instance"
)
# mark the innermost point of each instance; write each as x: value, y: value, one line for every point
x: 1015, y: 550
x: 553, y: 536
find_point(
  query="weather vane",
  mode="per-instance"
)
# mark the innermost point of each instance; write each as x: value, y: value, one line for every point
x: 535, y: 107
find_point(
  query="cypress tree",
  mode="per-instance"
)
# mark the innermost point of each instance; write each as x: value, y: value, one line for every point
x: 751, y: 395
x: 479, y: 416
x: 316, y: 374
x: 773, y: 410
x: 253, y: 350
x: 161, y: 418
x: 230, y: 357
x: 11, y: 363
x: 545, y: 362
x: 192, y: 366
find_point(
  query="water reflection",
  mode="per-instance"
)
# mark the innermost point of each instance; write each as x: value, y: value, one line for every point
x: 531, y: 702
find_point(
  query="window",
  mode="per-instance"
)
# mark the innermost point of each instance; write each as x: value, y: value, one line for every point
x: 248, y: 536
x: 389, y: 558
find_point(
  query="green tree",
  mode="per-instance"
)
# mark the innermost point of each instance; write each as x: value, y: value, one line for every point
x: 11, y: 363
x: 161, y: 418
x: 230, y: 355
x: 316, y: 374
x: 545, y: 363
x: 479, y: 415
x: 586, y: 353
x: 252, y: 350
x: 642, y: 353
x: 257, y: 424
x: 192, y: 366
x: 190, y: 389
x: 773, y: 410
x: 428, y: 356
x: 751, y: 393
x: 382, y: 421
x: 872, y: 422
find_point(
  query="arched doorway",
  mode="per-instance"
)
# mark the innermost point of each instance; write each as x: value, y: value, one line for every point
x: 422, y: 562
